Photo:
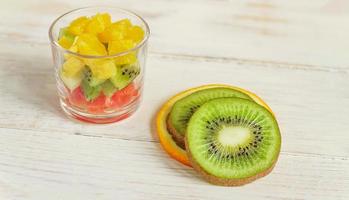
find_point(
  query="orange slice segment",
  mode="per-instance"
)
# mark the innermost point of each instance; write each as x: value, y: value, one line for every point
x: 165, y: 136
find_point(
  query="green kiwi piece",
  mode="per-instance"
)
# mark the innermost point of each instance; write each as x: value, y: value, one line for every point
x: 90, y: 92
x: 63, y: 32
x: 183, y: 109
x: 232, y: 141
x: 92, y: 81
x: 125, y: 74
x: 108, y: 88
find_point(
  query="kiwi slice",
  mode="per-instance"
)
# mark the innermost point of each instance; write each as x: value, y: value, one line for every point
x: 183, y: 109
x: 125, y: 74
x: 92, y: 80
x: 92, y: 86
x: 63, y: 32
x: 232, y: 141
x: 108, y: 88
x: 90, y: 92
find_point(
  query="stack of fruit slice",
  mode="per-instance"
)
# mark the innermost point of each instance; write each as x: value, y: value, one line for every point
x: 97, y: 84
x: 229, y: 135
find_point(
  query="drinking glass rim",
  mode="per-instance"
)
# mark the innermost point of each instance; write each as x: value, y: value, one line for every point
x: 139, y: 45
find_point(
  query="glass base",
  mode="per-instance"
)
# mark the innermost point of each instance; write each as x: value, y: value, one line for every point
x: 100, y: 118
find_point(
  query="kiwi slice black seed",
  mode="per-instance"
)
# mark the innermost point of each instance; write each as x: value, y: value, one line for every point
x: 108, y: 88
x: 92, y: 80
x: 183, y: 109
x: 125, y: 74
x: 90, y: 92
x: 232, y: 141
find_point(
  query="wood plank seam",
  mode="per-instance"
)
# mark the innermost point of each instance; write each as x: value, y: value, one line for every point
x: 300, y: 154
x: 245, y: 61
x: 236, y: 60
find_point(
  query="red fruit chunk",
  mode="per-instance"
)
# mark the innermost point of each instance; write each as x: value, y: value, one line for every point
x: 97, y: 105
x: 123, y: 97
x: 77, y: 98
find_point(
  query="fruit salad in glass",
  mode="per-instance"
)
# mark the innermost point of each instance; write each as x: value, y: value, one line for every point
x: 99, y: 56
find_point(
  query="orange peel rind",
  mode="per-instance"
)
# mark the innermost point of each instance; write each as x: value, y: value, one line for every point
x: 165, y: 136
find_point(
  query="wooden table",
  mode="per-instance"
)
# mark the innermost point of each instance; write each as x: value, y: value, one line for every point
x: 294, y: 54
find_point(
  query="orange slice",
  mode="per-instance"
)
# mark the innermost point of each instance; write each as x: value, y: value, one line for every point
x: 165, y: 136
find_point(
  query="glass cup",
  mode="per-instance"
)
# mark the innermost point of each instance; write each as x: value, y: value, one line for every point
x: 100, y: 101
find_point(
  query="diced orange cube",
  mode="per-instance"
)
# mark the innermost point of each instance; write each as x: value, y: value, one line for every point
x: 119, y: 46
x: 98, y: 23
x: 109, y: 34
x: 135, y: 33
x: 102, y: 68
x: 72, y: 66
x: 88, y: 44
x: 129, y: 58
x: 65, y: 42
x: 123, y: 24
x: 65, y: 38
x: 91, y: 36
x: 116, y: 31
x: 77, y: 26
x: 73, y: 48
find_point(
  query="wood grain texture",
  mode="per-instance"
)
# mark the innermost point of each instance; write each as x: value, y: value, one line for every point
x: 299, y: 32
x: 294, y: 54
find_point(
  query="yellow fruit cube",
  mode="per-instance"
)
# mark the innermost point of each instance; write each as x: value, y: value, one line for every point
x: 65, y: 42
x: 102, y: 68
x: 65, y: 38
x: 118, y: 46
x: 89, y: 44
x: 108, y: 34
x: 126, y: 59
x: 123, y: 24
x: 135, y: 33
x: 98, y: 23
x: 72, y: 67
x: 73, y: 48
x: 77, y: 26
x: 89, y: 61
x: 116, y: 31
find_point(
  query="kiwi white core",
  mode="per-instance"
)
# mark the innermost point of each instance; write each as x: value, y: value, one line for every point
x: 234, y: 136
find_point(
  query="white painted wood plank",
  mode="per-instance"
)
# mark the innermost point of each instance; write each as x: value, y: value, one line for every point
x: 312, y: 106
x: 46, y: 165
x: 306, y: 32
x: 293, y: 53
